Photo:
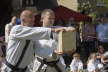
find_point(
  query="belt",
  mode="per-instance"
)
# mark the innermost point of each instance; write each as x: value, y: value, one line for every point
x: 14, y: 68
x: 51, y: 63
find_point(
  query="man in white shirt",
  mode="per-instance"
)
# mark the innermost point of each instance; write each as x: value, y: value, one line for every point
x: 51, y: 60
x: 20, y: 49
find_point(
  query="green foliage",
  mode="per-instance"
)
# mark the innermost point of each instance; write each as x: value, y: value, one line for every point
x: 106, y: 2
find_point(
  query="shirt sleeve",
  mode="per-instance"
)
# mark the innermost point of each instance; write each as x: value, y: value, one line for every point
x: 30, y: 33
x: 7, y: 31
x: 8, y: 26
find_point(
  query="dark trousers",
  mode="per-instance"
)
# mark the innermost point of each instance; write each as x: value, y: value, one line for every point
x: 87, y: 48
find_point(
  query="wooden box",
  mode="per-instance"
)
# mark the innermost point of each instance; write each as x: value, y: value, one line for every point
x: 66, y: 42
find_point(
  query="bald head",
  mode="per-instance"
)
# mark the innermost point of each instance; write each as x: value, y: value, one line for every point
x: 27, y: 18
x: 48, y: 17
x: 47, y: 12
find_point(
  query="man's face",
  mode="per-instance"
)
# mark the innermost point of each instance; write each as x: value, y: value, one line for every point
x: 76, y: 57
x: 28, y: 17
x: 48, y: 19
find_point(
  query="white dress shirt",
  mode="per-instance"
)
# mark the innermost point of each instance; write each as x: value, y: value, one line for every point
x: 18, y: 38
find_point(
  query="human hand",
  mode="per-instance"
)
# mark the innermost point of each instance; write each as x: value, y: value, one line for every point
x: 58, y: 52
x: 69, y: 29
x: 59, y: 29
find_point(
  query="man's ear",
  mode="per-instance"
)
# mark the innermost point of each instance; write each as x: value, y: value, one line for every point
x: 23, y: 20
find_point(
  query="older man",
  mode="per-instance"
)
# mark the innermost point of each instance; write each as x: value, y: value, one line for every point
x: 20, y: 50
x: 51, y: 60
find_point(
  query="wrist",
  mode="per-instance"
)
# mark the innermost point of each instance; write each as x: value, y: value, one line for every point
x: 52, y: 29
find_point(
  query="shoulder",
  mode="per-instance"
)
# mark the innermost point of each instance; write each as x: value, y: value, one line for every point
x: 8, y: 26
x: 16, y: 28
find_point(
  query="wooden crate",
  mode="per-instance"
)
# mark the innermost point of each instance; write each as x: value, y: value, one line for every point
x: 66, y: 41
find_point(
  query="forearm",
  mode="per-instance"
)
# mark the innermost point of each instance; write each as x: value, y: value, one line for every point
x: 69, y: 29
x: 57, y: 29
x: 34, y: 33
